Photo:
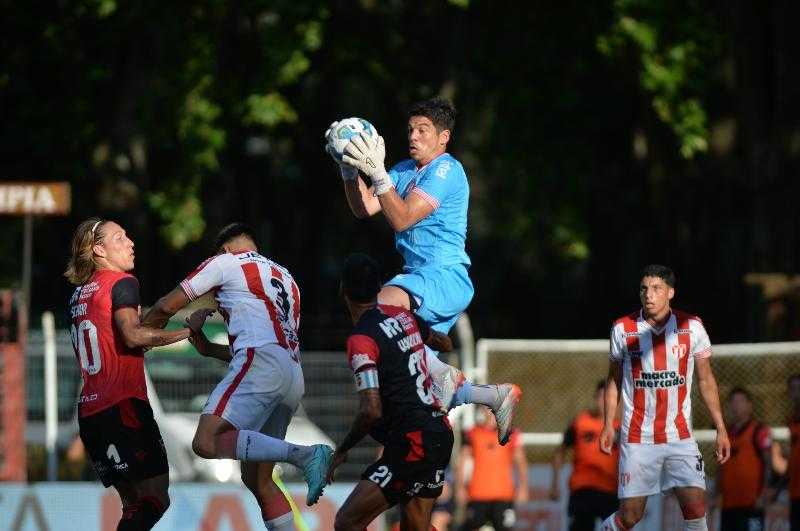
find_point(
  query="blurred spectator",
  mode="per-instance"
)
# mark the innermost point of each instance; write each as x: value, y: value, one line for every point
x: 8, y: 317
x: 593, y: 483
x: 442, y: 514
x: 793, y: 466
x: 491, y: 493
x: 743, y: 480
x: 76, y: 465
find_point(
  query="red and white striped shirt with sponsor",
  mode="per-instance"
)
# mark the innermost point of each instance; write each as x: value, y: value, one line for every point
x: 258, y: 299
x: 657, y: 367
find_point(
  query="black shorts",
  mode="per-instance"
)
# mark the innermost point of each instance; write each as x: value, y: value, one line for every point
x: 587, y: 505
x: 123, y: 443
x: 794, y: 514
x: 744, y: 519
x: 412, y: 465
x: 500, y: 514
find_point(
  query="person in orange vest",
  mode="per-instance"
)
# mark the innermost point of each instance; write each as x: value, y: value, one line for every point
x: 743, y: 482
x: 593, y: 483
x: 793, y: 388
x: 491, y: 494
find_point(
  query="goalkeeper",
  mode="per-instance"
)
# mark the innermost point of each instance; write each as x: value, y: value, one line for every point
x: 425, y: 200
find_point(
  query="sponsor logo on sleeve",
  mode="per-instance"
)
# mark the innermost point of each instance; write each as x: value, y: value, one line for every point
x: 359, y: 360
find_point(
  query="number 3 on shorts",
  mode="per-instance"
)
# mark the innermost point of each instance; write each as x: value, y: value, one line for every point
x: 382, y: 476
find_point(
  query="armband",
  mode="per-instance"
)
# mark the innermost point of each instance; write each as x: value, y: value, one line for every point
x: 367, y: 379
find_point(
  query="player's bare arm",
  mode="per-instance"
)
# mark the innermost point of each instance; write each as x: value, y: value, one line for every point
x: 135, y: 334
x: 710, y: 393
x: 361, y: 198
x: 611, y: 399
x: 164, y: 308
x: 404, y: 213
x: 366, y: 154
x: 209, y: 349
x: 779, y: 460
x: 370, y: 410
x: 439, y: 342
x: 768, y: 492
x: 200, y: 341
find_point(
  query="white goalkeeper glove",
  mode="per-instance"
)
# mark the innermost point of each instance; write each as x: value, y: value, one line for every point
x: 348, y: 172
x: 366, y: 153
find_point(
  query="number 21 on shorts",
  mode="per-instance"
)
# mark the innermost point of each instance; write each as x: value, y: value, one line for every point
x: 381, y: 476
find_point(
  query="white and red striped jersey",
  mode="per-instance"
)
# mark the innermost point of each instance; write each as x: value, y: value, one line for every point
x: 258, y: 299
x: 657, y: 367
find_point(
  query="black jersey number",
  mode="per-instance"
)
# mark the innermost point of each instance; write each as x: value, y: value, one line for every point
x: 283, y: 298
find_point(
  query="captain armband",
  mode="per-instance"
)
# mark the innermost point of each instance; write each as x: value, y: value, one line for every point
x: 367, y: 379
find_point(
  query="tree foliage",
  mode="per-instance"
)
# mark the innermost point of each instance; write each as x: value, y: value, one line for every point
x: 594, y: 136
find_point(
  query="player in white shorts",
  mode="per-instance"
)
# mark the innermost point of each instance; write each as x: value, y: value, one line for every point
x: 247, y: 414
x: 654, y: 353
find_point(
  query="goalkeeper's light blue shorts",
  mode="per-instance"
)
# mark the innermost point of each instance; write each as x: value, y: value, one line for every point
x: 441, y: 293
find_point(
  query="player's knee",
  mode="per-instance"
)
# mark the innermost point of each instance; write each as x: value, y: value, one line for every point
x: 159, y: 504
x: 630, y: 516
x: 345, y: 522
x: 693, y: 510
x: 143, y: 514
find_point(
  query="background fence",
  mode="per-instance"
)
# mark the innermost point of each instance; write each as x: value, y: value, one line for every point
x: 559, y: 377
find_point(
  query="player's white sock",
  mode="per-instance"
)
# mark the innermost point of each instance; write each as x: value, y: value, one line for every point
x: 698, y: 524
x: 488, y: 395
x: 255, y: 446
x: 284, y: 522
x: 612, y: 523
x: 462, y: 395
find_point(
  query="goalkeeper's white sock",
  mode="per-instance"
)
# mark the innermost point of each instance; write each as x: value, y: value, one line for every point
x: 698, y: 524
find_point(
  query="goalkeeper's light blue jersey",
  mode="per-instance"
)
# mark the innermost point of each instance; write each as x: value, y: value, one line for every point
x: 437, y: 240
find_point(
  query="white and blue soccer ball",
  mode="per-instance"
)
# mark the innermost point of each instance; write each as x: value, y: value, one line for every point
x: 339, y: 136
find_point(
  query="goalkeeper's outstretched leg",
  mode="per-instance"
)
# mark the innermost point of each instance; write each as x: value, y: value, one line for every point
x: 452, y: 389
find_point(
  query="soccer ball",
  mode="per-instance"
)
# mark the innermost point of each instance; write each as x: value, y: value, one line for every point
x: 338, y: 137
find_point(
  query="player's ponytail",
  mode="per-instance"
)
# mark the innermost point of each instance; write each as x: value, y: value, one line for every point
x: 80, y: 265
